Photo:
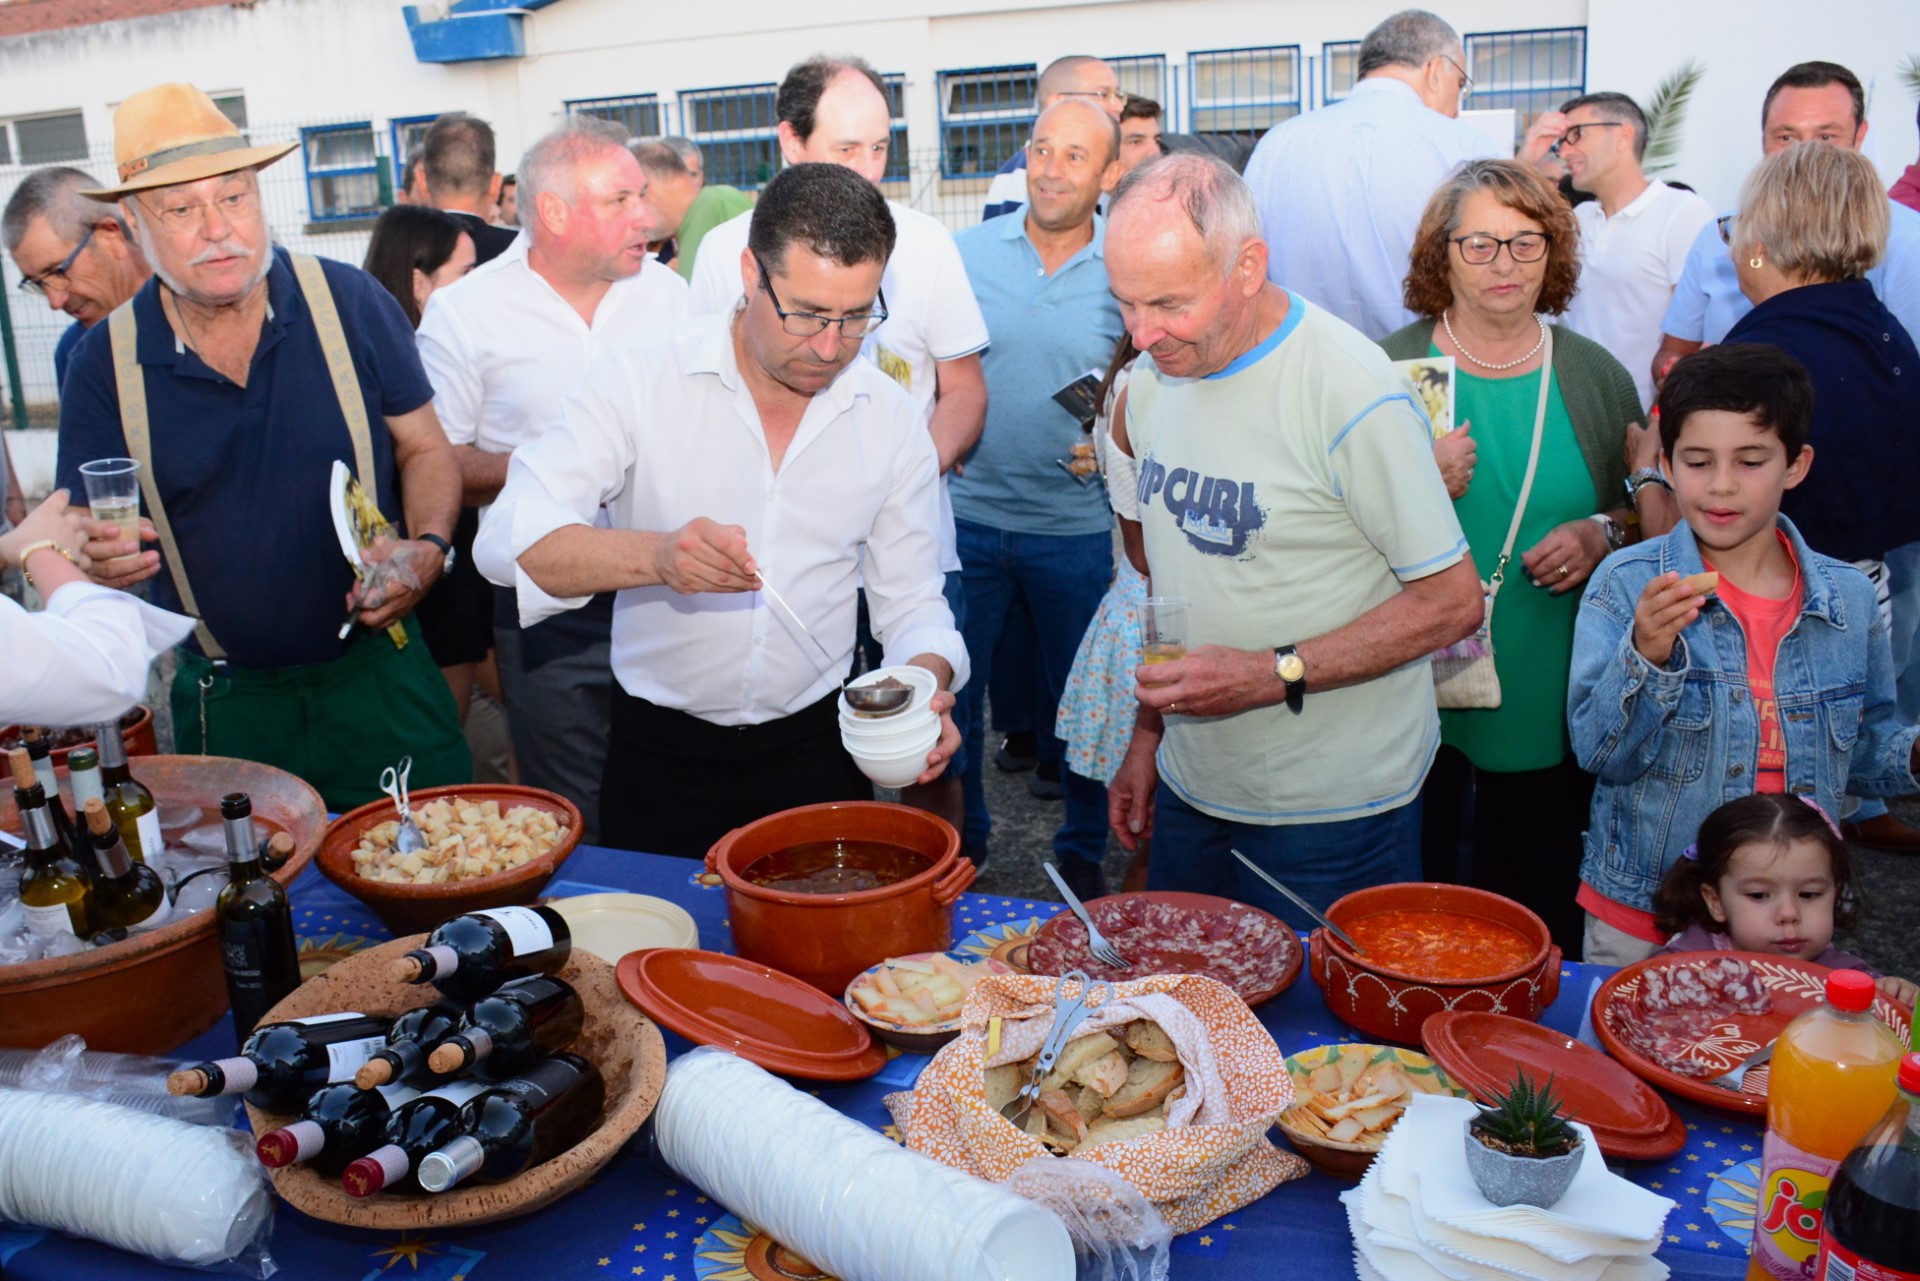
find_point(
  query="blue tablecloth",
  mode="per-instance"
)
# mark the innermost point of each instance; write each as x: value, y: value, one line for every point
x: 637, y: 1220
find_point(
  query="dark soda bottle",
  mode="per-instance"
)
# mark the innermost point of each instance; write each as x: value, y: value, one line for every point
x: 1872, y: 1228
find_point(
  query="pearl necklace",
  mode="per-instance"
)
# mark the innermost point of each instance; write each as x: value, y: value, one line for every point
x: 1455, y: 340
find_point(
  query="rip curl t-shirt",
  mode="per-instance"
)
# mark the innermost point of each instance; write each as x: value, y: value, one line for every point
x: 1284, y: 497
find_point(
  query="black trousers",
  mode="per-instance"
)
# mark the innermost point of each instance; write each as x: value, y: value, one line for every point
x: 675, y: 784
x: 1516, y: 834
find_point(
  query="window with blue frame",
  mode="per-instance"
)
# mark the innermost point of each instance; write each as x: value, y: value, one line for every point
x: 343, y: 171
x: 409, y: 136
x: 637, y: 113
x: 986, y: 115
x: 1243, y: 92
x: 897, y: 167
x: 1143, y: 76
x: 1530, y: 71
x: 1339, y: 70
x: 738, y: 132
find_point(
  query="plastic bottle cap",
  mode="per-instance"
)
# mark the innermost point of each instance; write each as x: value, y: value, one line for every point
x: 1849, y: 990
x: 1910, y: 1074
x: 381, y: 1168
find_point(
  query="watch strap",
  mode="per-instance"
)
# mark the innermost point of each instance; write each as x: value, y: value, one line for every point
x: 1296, y: 689
x: 444, y: 546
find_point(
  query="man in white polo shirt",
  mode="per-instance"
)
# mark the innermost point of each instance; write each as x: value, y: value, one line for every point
x: 1286, y: 492
x: 1634, y: 235
x: 736, y: 443
x: 834, y: 111
x: 502, y: 347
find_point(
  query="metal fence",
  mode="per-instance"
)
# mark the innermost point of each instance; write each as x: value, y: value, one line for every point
x: 323, y: 198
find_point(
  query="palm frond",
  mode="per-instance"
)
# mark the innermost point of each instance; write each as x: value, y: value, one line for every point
x: 1910, y: 72
x: 1667, y: 115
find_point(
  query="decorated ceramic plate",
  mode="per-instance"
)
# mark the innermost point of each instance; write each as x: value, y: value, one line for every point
x: 1166, y: 932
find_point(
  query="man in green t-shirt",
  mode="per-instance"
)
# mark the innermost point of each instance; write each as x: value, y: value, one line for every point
x: 1287, y: 491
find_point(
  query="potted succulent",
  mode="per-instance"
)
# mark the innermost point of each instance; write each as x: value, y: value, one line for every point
x: 1521, y: 1150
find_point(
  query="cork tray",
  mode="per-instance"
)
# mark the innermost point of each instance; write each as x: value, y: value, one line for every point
x: 621, y: 1041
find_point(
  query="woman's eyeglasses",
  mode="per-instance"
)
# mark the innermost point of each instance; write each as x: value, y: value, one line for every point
x: 1528, y: 246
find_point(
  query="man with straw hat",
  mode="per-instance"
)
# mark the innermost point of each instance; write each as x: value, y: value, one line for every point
x: 238, y: 377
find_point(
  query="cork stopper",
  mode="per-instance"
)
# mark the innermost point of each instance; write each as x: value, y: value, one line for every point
x: 194, y: 1081
x: 451, y: 1056
x: 280, y: 847
x: 375, y: 1072
x: 98, y: 821
x: 408, y: 969
x: 22, y: 765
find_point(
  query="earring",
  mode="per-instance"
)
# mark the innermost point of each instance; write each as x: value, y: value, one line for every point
x: 1755, y: 263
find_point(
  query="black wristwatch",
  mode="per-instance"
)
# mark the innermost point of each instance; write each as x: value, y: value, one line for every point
x: 446, y: 548
x: 1292, y: 671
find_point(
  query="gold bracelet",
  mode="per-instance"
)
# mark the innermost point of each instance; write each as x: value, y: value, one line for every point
x: 44, y: 545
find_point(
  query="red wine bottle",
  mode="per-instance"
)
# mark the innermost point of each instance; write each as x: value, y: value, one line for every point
x: 516, y: 1027
x: 416, y: 1128
x: 469, y: 956
x: 517, y: 1124
x: 414, y: 1035
x: 257, y: 946
x: 340, y: 1124
x: 282, y: 1064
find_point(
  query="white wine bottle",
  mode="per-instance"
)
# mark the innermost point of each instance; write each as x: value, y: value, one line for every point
x: 126, y: 895
x: 56, y: 892
x: 129, y: 803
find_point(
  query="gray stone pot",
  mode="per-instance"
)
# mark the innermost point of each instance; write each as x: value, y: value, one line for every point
x: 1505, y: 1179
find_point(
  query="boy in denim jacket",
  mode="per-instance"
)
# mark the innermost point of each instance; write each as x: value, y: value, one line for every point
x: 1687, y: 693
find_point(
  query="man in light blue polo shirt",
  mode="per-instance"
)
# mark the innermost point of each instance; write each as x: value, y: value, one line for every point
x: 1029, y: 528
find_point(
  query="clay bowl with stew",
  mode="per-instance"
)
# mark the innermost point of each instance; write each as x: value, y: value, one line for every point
x: 1432, y: 947
x: 136, y: 731
x: 804, y: 924
x: 149, y: 993
x: 411, y: 907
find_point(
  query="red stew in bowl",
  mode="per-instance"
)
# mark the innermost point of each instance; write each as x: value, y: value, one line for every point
x: 1439, y: 945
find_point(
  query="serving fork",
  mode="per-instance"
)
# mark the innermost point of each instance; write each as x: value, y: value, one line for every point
x: 1103, y: 951
x: 1733, y: 1077
x: 1068, y: 1015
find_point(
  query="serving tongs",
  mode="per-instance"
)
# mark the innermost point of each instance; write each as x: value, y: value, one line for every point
x: 1068, y: 1014
x: 393, y: 781
x: 871, y: 700
x: 1301, y: 903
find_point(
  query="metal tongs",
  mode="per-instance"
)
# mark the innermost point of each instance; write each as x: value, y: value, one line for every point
x: 394, y: 783
x: 1068, y: 1015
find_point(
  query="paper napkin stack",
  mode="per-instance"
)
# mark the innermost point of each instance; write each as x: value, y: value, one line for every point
x: 1418, y: 1216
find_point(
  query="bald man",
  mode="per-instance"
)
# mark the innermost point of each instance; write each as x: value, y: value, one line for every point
x: 1076, y: 76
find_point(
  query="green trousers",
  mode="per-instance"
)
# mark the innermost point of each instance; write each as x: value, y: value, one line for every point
x: 336, y: 725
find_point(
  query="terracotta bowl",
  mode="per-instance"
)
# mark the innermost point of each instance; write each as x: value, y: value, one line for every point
x: 617, y: 1038
x: 826, y: 939
x: 1392, y: 1005
x: 411, y: 909
x: 150, y: 994
x: 1350, y: 1160
x: 136, y: 730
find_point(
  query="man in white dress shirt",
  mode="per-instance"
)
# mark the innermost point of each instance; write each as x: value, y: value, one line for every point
x: 1341, y: 189
x: 834, y: 111
x: 1634, y: 235
x: 502, y: 347
x: 735, y: 443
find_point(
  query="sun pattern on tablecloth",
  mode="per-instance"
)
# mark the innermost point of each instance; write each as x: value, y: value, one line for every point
x: 427, y: 1259
x: 732, y: 1249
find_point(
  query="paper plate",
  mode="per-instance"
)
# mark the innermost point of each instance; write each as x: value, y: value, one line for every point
x: 762, y: 1015
x: 612, y: 925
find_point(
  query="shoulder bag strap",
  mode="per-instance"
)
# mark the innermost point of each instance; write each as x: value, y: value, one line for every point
x: 122, y: 328
x: 1533, y: 463
x: 346, y: 383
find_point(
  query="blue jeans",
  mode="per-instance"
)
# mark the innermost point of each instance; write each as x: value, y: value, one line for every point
x: 1062, y: 579
x: 1320, y: 862
x: 1903, y: 584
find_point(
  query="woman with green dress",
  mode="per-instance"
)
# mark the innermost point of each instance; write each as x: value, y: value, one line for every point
x: 1505, y: 804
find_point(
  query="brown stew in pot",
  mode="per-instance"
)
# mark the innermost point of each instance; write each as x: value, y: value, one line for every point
x: 836, y: 867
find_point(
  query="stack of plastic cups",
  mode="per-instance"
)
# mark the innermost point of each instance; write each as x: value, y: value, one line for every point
x: 892, y: 749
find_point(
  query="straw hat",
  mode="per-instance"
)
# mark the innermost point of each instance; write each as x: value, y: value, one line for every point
x: 172, y: 134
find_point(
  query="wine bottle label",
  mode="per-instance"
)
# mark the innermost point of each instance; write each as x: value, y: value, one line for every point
x: 1838, y: 1263
x: 49, y: 921
x: 458, y: 1092
x: 395, y: 1095
x: 526, y: 929
x: 316, y: 1019
x: 146, y: 829
x: 344, y: 1058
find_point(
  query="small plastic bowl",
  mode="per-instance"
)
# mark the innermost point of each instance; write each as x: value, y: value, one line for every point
x: 891, y: 767
x: 925, y: 686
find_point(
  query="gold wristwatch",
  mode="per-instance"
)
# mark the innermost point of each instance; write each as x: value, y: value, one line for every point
x: 1292, y: 671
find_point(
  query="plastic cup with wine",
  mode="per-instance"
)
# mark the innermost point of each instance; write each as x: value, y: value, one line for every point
x: 1163, y: 629
x: 113, y: 492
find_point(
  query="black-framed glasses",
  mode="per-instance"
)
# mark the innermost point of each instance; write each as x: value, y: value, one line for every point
x: 1575, y: 132
x: 57, y: 275
x: 1724, y: 223
x: 1528, y: 246
x: 1466, y: 81
x: 805, y: 324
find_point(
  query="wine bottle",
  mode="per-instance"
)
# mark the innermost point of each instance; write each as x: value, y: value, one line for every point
x: 40, y: 749
x: 256, y: 923
x: 281, y: 1064
x: 469, y: 956
x: 126, y: 895
x: 278, y: 849
x: 340, y: 1124
x: 83, y: 778
x: 56, y: 891
x: 519, y: 1123
x: 128, y: 800
x: 520, y: 1023
x: 416, y: 1128
x: 415, y: 1035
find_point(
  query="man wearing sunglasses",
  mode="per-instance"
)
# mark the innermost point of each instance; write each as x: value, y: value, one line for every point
x: 750, y: 442
x: 71, y: 251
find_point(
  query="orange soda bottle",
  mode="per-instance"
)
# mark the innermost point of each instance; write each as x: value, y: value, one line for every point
x: 1832, y: 1079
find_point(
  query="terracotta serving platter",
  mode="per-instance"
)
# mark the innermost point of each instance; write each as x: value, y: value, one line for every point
x: 764, y: 1016
x: 1167, y: 932
x: 1483, y: 1052
x: 1796, y: 986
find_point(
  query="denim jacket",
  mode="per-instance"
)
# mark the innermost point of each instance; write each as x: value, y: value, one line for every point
x: 1672, y: 744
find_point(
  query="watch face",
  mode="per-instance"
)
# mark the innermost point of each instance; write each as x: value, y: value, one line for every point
x: 1291, y: 667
